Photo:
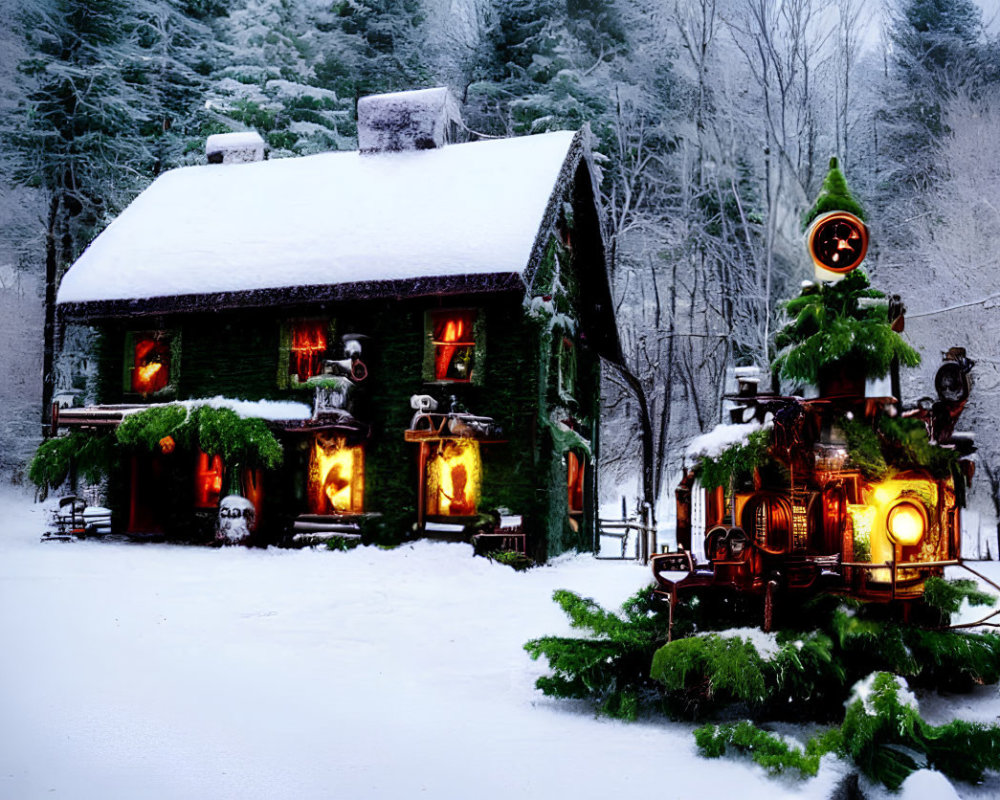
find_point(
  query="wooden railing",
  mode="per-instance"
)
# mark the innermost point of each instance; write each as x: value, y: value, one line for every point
x: 644, y: 533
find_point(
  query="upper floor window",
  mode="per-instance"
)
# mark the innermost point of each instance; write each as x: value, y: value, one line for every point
x: 308, y: 348
x: 453, y: 345
x: 151, y: 362
x: 305, y: 346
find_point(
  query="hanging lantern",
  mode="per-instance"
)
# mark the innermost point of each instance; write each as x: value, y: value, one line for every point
x: 167, y: 445
x: 837, y: 241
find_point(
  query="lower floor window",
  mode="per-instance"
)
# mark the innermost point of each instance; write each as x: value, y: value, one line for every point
x: 207, y: 481
x: 336, y: 476
x: 575, y: 472
x: 454, y: 478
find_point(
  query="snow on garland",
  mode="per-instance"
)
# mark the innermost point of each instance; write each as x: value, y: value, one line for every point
x: 217, y: 426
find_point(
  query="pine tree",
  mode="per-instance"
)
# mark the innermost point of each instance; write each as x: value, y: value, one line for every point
x: 544, y: 67
x: 937, y: 47
x: 107, y: 81
x: 73, y: 132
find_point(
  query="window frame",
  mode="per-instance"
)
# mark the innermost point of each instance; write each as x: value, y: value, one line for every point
x: 172, y: 338
x: 284, y: 375
x: 477, y: 342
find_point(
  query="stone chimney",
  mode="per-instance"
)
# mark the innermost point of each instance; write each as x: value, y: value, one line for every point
x: 418, y: 120
x: 242, y: 147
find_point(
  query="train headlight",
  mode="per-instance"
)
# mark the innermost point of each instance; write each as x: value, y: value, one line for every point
x: 906, y: 523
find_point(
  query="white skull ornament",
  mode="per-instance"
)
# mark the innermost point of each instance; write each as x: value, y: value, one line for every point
x: 237, y: 520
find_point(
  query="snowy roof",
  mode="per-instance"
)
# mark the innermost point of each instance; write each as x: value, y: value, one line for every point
x: 472, y: 209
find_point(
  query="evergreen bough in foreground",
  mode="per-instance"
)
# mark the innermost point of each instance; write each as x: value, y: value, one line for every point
x: 625, y: 665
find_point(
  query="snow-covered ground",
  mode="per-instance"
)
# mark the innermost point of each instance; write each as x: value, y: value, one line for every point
x: 158, y: 671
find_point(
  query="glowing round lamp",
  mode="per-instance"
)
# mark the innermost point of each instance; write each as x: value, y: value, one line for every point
x: 167, y: 445
x: 838, y: 241
x: 906, y: 524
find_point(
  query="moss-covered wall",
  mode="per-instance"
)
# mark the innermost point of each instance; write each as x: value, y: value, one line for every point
x: 520, y: 343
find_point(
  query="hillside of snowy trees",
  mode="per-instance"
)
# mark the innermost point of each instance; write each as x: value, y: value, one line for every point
x: 714, y: 121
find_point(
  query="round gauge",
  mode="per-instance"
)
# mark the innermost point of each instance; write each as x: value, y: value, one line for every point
x: 838, y: 241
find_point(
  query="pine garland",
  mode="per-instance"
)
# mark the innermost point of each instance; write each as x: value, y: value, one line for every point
x: 880, y: 736
x: 92, y: 455
x: 947, y: 596
x: 766, y: 748
x: 216, y: 431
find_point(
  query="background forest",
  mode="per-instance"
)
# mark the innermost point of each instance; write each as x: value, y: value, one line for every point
x: 714, y: 121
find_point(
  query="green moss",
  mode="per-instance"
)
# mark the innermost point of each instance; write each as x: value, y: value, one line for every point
x: 736, y: 463
x: 865, y: 449
x: 516, y: 561
x: 833, y: 196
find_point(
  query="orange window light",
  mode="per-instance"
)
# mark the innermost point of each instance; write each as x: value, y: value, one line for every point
x: 151, y: 366
x: 207, y: 481
x: 454, y: 477
x: 336, y: 477
x: 307, y: 348
x: 575, y: 468
x: 454, y: 345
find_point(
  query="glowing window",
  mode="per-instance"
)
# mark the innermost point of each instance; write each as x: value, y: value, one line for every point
x: 207, y: 481
x: 307, y: 348
x: 454, y: 344
x: 575, y: 477
x: 336, y: 477
x: 454, y: 477
x: 150, y: 368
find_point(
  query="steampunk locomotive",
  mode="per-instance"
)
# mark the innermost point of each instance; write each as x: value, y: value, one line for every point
x: 841, y: 492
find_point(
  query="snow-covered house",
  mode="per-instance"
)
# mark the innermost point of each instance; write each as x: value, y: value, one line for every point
x: 439, y: 308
